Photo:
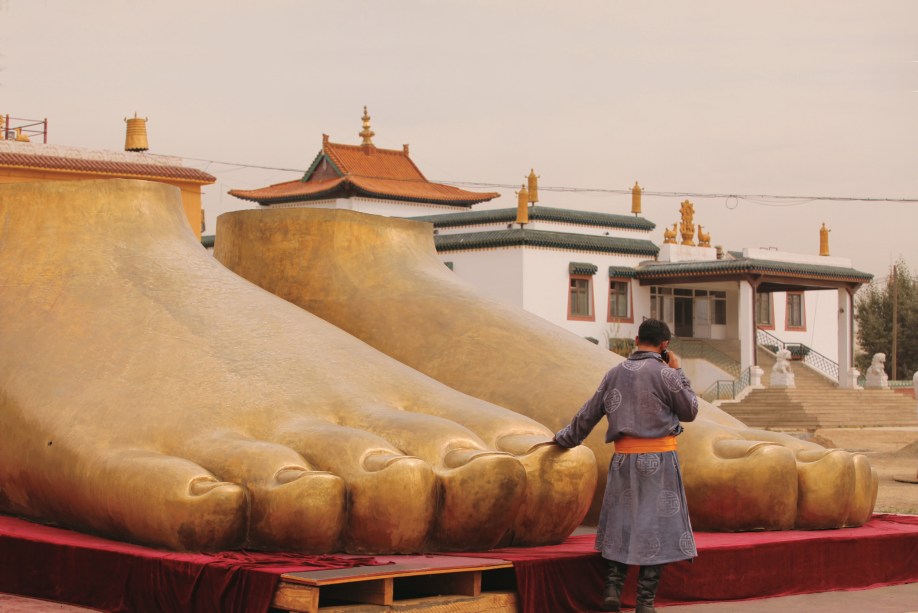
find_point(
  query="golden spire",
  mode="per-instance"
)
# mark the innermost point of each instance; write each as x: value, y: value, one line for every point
x: 522, y: 205
x: 366, y: 134
x: 533, y: 186
x: 824, y: 240
x: 636, y: 198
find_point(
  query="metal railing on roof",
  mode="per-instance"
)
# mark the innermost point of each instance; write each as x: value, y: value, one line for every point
x: 11, y: 127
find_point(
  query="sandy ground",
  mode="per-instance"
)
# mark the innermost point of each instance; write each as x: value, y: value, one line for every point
x: 893, y: 452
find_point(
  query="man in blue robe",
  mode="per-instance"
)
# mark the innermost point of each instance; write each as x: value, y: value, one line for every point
x: 644, y: 520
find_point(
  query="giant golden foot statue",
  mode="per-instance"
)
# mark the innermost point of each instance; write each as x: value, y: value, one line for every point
x: 381, y: 280
x: 150, y: 394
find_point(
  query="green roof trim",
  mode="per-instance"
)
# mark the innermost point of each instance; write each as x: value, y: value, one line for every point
x: 315, y: 164
x: 208, y: 241
x: 582, y: 268
x: 752, y: 266
x: 519, y: 237
x: 622, y: 272
x: 539, y: 213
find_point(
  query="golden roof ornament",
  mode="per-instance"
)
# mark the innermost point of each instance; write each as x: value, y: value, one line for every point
x: 636, y: 198
x: 522, y: 205
x: 136, y: 137
x: 20, y: 137
x: 687, y: 228
x: 533, y: 186
x: 366, y: 134
x: 704, y: 238
x: 669, y: 236
x: 824, y: 240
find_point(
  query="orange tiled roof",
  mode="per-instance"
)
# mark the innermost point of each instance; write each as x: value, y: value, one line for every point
x: 365, y: 171
x: 104, y: 167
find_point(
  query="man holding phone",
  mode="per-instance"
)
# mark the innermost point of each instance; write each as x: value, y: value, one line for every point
x: 644, y: 520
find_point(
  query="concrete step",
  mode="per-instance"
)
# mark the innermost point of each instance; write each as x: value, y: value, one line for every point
x: 814, y: 408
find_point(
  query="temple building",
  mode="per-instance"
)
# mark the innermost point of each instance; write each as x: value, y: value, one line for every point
x: 367, y: 179
x: 22, y: 160
x: 599, y: 274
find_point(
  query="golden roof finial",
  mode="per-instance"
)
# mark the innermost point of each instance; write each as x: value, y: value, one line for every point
x: 533, y: 186
x: 636, y: 198
x: 136, y: 137
x: 824, y: 239
x: 522, y: 205
x: 20, y: 137
x: 366, y: 134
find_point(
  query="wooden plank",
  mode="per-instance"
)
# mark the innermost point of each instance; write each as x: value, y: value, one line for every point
x: 488, y: 602
x: 466, y: 583
x: 374, y: 591
x: 362, y: 573
x: 292, y: 597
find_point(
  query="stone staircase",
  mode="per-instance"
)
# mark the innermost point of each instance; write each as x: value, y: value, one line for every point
x: 811, y: 409
x: 816, y: 402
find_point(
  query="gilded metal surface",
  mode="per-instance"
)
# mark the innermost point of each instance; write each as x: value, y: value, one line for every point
x: 824, y: 240
x: 533, y: 182
x: 381, y: 280
x: 136, y: 136
x: 704, y: 238
x: 522, y: 205
x: 669, y: 235
x: 687, y: 228
x: 636, y: 192
x: 148, y: 393
x: 366, y: 134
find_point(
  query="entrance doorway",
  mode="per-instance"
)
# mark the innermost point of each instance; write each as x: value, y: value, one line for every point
x: 683, y: 316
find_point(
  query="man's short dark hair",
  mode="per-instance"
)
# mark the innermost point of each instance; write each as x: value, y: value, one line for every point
x: 654, y: 332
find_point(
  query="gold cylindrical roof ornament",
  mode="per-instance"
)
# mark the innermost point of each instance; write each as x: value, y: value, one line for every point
x: 636, y: 198
x: 533, y: 186
x: 136, y: 138
x: 522, y: 206
x: 824, y: 240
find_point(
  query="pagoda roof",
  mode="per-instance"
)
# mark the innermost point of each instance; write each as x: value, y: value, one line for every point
x: 363, y: 170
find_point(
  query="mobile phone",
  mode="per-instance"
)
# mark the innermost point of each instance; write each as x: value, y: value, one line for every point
x: 665, y: 355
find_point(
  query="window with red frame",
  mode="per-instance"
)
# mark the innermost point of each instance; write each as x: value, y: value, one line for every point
x: 619, y: 300
x: 795, y: 319
x: 580, y: 300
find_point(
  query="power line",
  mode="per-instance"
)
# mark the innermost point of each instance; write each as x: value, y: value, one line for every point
x: 760, y: 199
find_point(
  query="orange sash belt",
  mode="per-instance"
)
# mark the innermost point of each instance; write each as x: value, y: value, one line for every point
x: 632, y: 444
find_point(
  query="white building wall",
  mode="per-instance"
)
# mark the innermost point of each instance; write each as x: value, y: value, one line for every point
x: 373, y: 206
x: 496, y: 273
x: 821, y: 333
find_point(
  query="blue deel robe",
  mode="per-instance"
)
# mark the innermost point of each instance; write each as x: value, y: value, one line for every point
x: 644, y: 518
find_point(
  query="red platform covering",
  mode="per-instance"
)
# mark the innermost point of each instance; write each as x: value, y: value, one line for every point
x: 729, y: 566
x: 65, y: 566
x: 56, y: 564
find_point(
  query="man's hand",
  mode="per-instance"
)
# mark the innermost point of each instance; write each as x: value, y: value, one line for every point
x: 674, y: 361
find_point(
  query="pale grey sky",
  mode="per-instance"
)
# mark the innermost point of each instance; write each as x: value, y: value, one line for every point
x: 812, y: 98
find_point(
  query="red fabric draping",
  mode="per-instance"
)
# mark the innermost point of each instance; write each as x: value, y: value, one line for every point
x: 729, y: 566
x: 51, y: 563
x: 56, y: 564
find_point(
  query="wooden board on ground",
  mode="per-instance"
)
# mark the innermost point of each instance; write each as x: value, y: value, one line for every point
x: 389, y: 585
